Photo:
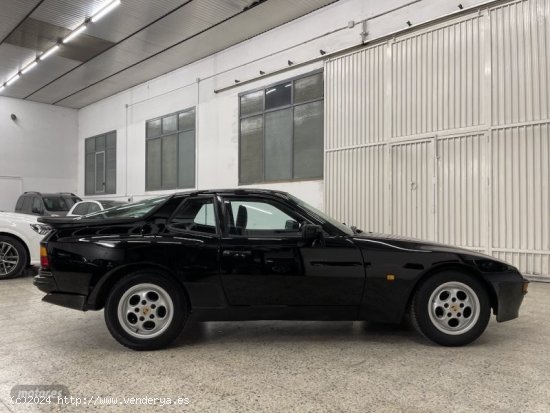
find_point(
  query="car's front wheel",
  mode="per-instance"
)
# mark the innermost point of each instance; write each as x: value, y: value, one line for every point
x: 451, y: 308
x: 146, y: 311
x: 13, y: 257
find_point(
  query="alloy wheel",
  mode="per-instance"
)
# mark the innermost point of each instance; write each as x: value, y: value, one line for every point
x: 454, y: 308
x: 145, y: 311
x: 9, y: 258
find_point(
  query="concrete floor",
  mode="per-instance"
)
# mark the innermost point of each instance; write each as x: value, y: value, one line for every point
x: 277, y: 366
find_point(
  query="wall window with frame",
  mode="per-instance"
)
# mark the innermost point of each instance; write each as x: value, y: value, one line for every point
x: 281, y: 131
x: 170, y: 151
x: 100, y: 164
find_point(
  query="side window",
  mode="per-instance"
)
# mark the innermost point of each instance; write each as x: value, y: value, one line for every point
x: 36, y: 205
x: 260, y: 218
x: 81, y: 209
x: 195, y: 214
x: 92, y: 207
x: 27, y: 202
x: 19, y: 204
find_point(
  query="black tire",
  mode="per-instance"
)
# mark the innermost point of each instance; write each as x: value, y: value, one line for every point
x: 440, y: 328
x: 22, y: 256
x: 121, y: 297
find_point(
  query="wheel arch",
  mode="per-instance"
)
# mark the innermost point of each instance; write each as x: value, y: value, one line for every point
x: 455, y: 267
x: 19, y: 239
x: 98, y: 295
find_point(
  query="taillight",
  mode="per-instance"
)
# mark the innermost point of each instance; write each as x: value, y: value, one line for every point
x: 44, y: 261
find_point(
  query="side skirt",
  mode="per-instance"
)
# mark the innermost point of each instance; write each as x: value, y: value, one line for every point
x: 243, y: 313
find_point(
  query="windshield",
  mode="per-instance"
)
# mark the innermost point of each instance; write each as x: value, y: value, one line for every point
x: 133, y: 210
x: 56, y: 203
x: 322, y: 216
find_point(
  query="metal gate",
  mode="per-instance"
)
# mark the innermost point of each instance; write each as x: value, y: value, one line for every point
x: 443, y: 133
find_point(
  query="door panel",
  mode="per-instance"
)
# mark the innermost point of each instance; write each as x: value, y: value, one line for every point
x: 262, y: 270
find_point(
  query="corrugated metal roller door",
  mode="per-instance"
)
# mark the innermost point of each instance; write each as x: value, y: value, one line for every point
x: 444, y: 134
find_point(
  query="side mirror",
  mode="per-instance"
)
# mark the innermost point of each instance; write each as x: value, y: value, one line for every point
x: 311, y: 232
x: 291, y: 225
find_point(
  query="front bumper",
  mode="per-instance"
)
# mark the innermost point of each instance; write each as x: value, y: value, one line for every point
x: 46, y: 283
x: 509, y: 288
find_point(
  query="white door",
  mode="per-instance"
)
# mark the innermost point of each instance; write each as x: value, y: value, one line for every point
x: 10, y: 189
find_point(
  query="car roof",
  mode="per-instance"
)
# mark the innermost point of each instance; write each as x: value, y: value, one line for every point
x: 235, y: 191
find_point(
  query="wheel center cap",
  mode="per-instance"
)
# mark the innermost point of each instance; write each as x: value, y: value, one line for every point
x: 146, y: 310
x: 454, y: 307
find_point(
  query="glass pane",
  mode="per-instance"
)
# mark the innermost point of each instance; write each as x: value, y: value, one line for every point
x: 251, y: 153
x: 89, y: 172
x: 206, y: 216
x: 153, y: 164
x: 81, y: 209
x: 308, y: 88
x: 153, y: 128
x: 278, y: 145
x: 187, y: 120
x: 169, y: 162
x: 308, y: 140
x: 100, y: 172
x: 92, y: 207
x: 90, y: 145
x: 187, y: 159
x: 252, y: 103
x: 27, y: 202
x: 169, y: 124
x: 111, y: 140
x: 100, y: 143
x: 110, y: 169
x: 277, y: 96
x: 259, y: 218
x: 56, y: 203
x: 195, y: 215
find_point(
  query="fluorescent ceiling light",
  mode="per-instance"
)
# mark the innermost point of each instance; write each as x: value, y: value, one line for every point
x: 105, y: 10
x: 28, y: 67
x: 75, y: 33
x: 48, y: 52
x: 13, y: 79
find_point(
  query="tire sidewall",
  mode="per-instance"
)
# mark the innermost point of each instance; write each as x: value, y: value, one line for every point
x: 426, y: 325
x: 23, y: 258
x: 172, y: 331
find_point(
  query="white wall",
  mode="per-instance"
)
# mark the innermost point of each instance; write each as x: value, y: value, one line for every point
x: 217, y: 114
x: 38, y: 150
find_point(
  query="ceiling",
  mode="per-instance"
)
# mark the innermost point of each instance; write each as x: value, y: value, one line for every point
x: 137, y: 41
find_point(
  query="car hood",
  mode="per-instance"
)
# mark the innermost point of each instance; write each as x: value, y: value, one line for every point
x: 17, y: 217
x: 416, y: 245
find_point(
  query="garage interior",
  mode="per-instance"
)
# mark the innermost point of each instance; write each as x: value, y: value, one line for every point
x: 426, y: 118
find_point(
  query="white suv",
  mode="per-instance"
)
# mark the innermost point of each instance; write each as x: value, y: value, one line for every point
x: 20, y: 237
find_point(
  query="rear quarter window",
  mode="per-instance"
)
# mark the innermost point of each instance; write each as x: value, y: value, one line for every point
x: 27, y: 202
x: 19, y: 204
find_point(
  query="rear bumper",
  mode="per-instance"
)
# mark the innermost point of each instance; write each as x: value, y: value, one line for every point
x: 509, y: 288
x: 45, y: 282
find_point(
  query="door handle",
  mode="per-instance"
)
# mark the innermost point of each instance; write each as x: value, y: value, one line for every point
x: 237, y: 254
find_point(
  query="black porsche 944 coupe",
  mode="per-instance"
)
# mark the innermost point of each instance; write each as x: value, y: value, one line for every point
x: 262, y: 255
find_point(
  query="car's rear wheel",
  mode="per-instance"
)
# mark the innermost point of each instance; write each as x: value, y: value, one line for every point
x: 451, y: 308
x: 13, y: 257
x: 146, y: 311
